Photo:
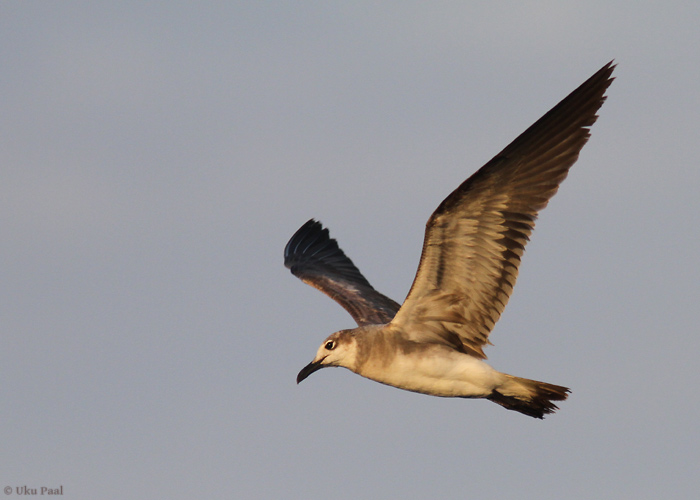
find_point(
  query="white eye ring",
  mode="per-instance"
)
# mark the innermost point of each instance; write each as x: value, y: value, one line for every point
x: 330, y: 345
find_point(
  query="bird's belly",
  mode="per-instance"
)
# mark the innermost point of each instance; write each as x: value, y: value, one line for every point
x: 438, y: 372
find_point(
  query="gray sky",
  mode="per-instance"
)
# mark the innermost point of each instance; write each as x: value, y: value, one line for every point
x: 156, y: 158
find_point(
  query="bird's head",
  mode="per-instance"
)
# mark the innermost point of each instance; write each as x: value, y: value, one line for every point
x: 338, y: 349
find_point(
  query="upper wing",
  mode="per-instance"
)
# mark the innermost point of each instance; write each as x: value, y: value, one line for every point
x: 316, y: 259
x: 476, y: 237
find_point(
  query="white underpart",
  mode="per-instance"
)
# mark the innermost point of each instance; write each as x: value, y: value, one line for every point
x: 436, y: 370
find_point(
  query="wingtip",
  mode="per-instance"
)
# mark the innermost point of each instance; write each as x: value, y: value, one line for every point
x: 310, y: 229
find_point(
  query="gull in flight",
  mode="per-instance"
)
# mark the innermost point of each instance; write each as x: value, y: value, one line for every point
x: 433, y: 343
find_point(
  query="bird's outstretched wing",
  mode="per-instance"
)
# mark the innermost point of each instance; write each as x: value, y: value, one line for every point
x: 315, y: 258
x: 476, y: 237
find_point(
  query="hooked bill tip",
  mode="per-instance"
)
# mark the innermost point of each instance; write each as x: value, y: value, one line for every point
x: 308, y: 370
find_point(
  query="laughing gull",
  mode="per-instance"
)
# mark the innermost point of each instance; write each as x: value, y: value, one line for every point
x: 433, y: 343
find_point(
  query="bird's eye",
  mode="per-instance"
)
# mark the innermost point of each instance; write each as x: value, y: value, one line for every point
x: 330, y: 345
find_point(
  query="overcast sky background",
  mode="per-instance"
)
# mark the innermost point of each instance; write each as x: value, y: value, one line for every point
x: 156, y: 158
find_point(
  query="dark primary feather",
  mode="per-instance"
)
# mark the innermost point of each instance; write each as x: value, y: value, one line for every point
x: 475, y: 239
x: 314, y: 257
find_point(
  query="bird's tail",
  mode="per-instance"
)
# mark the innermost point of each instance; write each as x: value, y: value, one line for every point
x: 530, y: 397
